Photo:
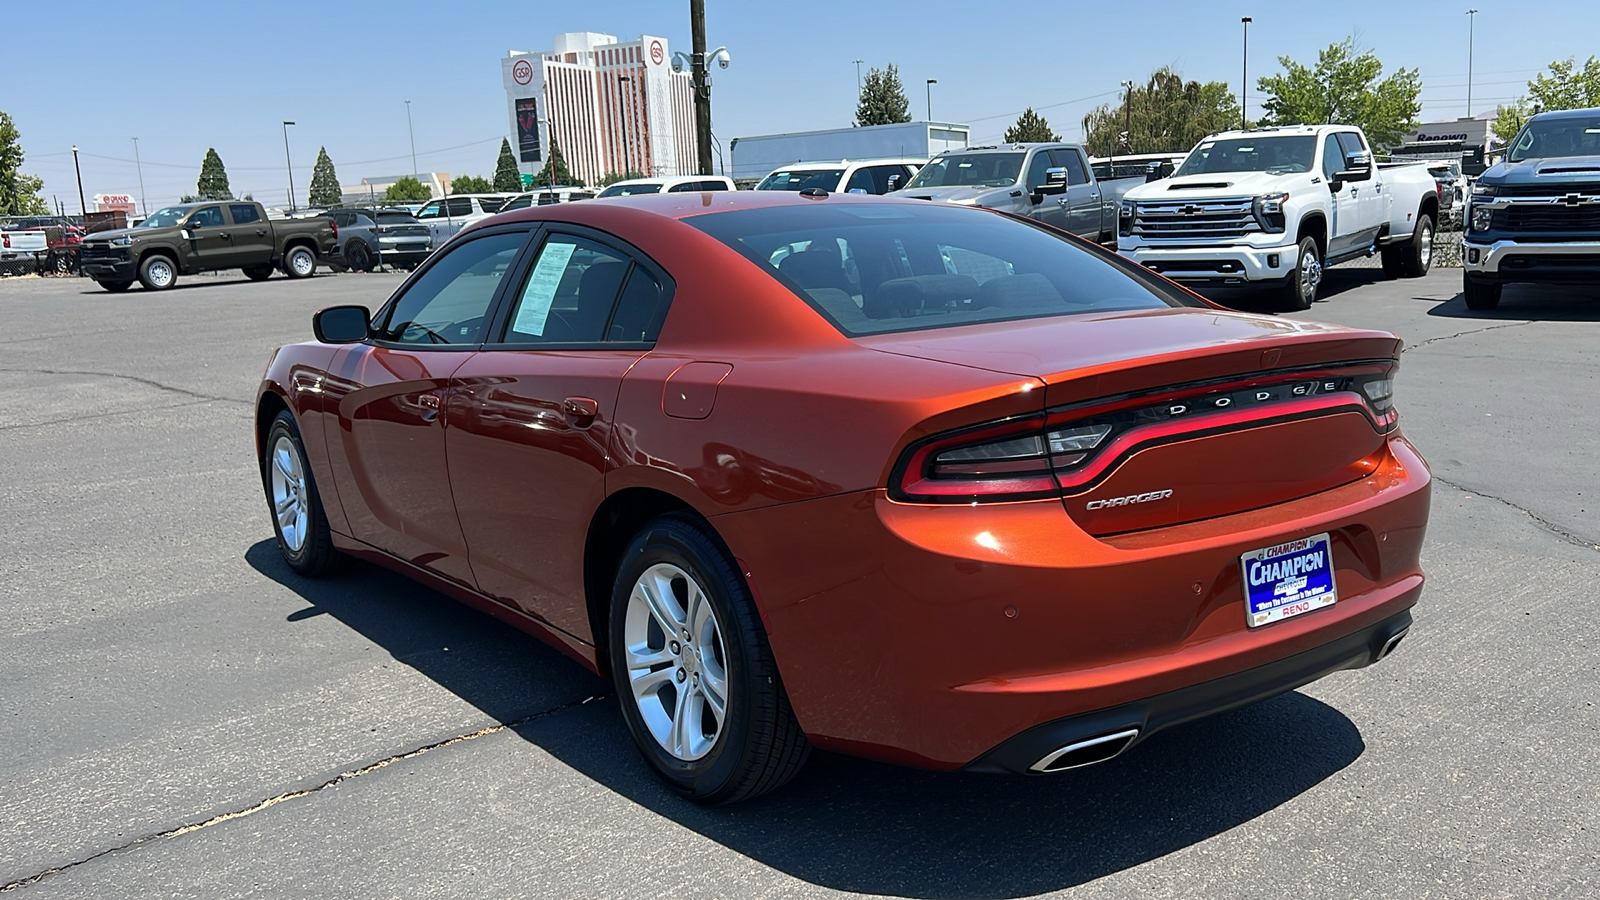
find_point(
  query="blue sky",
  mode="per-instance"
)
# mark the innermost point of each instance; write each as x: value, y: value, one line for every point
x: 184, y: 76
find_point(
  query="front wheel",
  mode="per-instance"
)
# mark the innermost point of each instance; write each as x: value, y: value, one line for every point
x: 697, y: 683
x: 115, y: 287
x: 300, y: 263
x: 1480, y: 295
x: 157, y: 272
x: 304, y: 538
x: 1301, y: 290
x: 258, y: 273
x: 357, y: 256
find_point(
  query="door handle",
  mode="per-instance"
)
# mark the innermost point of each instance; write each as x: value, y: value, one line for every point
x: 581, y: 410
x: 261, y: 232
x: 224, y: 235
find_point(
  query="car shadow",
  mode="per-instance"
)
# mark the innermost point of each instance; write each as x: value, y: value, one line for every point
x: 856, y: 825
x: 1537, y: 302
x: 1335, y: 281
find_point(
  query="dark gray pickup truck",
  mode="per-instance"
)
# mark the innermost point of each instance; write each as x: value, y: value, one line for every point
x: 201, y: 237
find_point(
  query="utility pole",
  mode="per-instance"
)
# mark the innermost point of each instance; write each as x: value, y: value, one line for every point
x: 83, y: 208
x: 702, y: 86
x: 413, y: 135
x: 1472, y: 20
x: 627, y: 100
x: 929, y: 87
x: 1127, y: 106
x: 143, y: 206
x: 1244, y: 74
x: 288, y: 162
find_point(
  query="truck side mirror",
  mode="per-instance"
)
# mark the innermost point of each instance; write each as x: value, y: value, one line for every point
x: 341, y: 324
x: 1055, y: 182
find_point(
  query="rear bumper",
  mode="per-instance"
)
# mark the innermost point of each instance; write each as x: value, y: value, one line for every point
x: 1224, y: 265
x: 1501, y: 262
x: 932, y: 636
x: 399, y: 256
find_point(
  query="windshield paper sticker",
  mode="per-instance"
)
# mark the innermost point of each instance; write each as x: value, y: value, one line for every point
x: 540, y: 293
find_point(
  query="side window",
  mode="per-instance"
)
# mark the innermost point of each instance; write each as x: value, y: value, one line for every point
x: 882, y: 177
x: 1332, y: 157
x: 491, y: 204
x: 433, y: 210
x: 860, y: 183
x: 447, y: 304
x: 244, y: 214
x: 640, y: 310
x: 568, y: 293
x: 1077, y: 173
x: 459, y: 207
x: 1036, y: 170
x: 206, y: 217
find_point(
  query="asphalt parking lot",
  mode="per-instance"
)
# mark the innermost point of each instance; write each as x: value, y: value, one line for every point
x: 182, y: 716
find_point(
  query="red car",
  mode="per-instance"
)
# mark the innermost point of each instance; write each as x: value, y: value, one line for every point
x: 922, y: 483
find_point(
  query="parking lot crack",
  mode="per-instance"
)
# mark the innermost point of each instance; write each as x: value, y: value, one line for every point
x: 1577, y: 540
x: 287, y: 796
x: 148, y: 382
x: 1450, y: 337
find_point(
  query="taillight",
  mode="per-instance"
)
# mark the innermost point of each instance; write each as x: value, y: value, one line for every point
x: 335, y: 226
x: 6, y: 239
x: 1066, y: 448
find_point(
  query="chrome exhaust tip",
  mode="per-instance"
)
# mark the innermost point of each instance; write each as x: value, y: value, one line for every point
x: 1393, y: 642
x: 1086, y: 752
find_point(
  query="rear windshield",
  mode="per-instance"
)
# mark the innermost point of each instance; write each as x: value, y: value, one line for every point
x: 876, y: 268
x: 628, y: 190
x: 390, y: 218
x: 802, y: 179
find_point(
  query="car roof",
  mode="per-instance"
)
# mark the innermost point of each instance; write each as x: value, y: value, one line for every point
x: 1570, y: 114
x: 659, y: 179
x: 847, y: 163
x: 639, y: 209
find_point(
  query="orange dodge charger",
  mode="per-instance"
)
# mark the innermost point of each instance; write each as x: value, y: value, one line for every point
x: 918, y: 482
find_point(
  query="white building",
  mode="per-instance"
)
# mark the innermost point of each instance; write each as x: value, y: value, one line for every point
x: 755, y: 156
x: 613, y: 106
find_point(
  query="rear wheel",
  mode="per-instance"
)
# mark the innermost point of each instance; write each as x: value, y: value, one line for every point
x: 300, y: 263
x: 304, y: 539
x: 1480, y: 295
x: 157, y: 272
x: 61, y: 264
x: 258, y: 273
x: 115, y: 287
x: 1418, y: 254
x: 357, y: 256
x: 1301, y: 290
x: 693, y: 670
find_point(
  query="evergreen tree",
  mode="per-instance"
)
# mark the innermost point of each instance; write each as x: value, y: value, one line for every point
x: 883, y: 98
x: 19, y: 193
x: 506, y: 176
x: 555, y: 171
x: 213, y: 178
x: 1030, y: 127
x: 325, y: 190
x: 470, y: 184
x: 407, y: 190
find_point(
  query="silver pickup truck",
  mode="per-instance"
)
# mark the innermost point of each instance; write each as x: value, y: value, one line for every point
x: 1049, y: 182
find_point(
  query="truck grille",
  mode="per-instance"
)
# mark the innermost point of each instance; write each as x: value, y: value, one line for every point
x: 99, y: 251
x: 1196, y: 220
x: 1549, y: 218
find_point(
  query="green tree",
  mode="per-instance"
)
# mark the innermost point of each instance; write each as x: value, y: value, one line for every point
x: 506, y: 175
x: 470, y: 184
x: 611, y: 178
x: 1566, y: 87
x: 555, y: 169
x: 1168, y: 115
x: 213, y: 178
x: 325, y: 189
x: 407, y: 190
x: 1030, y: 126
x: 19, y: 193
x: 883, y: 98
x: 1344, y: 88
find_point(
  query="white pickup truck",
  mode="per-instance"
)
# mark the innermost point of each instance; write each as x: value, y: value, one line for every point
x: 1271, y: 207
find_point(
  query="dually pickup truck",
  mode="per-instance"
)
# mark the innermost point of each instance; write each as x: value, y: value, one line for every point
x: 200, y: 237
x: 1535, y: 216
x: 1271, y: 207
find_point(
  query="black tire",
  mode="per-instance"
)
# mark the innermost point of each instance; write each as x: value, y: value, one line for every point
x: 258, y: 273
x: 115, y: 287
x: 1394, y: 260
x: 1300, y: 291
x: 1418, y: 255
x: 758, y: 744
x: 309, y: 552
x: 1480, y: 295
x: 299, y: 262
x: 60, y: 264
x: 358, y: 256
x: 158, y: 272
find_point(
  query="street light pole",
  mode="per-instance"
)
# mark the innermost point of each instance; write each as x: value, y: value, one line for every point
x: 858, y: 80
x: 83, y: 208
x: 627, y: 160
x: 143, y: 206
x: 289, y: 163
x: 929, y: 86
x: 1127, y: 106
x: 413, y: 135
x: 1244, y: 74
x: 1472, y: 19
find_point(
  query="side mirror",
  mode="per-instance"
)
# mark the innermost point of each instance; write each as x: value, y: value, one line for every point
x: 894, y: 183
x: 341, y: 324
x: 1055, y: 181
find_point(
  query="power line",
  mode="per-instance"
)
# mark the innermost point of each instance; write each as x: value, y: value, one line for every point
x: 359, y: 162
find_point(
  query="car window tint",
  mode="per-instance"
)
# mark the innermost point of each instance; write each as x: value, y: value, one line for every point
x: 448, y: 302
x: 244, y: 214
x: 568, y: 293
x: 640, y: 310
x: 432, y: 211
x: 459, y: 206
x: 490, y: 204
x: 1077, y: 173
x: 206, y: 217
x: 860, y: 183
x: 1332, y: 157
x: 1037, y: 169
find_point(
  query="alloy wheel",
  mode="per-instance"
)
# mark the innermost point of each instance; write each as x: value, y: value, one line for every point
x: 289, y: 502
x: 160, y: 273
x: 1310, y: 276
x: 676, y: 663
x: 1425, y: 246
x: 302, y: 262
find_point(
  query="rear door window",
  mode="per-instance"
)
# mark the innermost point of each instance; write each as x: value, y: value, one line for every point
x: 568, y: 293
x: 244, y: 214
x: 1072, y: 161
x: 459, y: 207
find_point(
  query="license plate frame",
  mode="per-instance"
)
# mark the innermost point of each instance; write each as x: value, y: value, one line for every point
x: 1288, y: 580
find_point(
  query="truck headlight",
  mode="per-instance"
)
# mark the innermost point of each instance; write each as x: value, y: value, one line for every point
x: 1481, y: 218
x: 123, y: 241
x: 1129, y: 211
x: 1269, y: 210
